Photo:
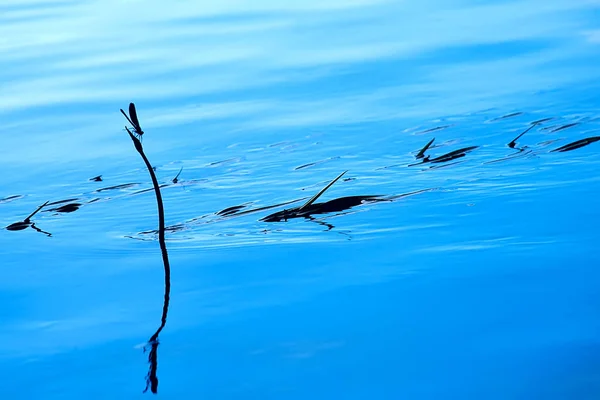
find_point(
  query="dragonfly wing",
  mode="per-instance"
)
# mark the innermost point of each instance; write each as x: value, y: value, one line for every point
x: 133, y: 115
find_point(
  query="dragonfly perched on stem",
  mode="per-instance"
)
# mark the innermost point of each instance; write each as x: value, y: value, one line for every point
x: 133, y: 120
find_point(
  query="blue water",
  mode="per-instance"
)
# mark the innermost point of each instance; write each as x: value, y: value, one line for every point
x: 483, y: 286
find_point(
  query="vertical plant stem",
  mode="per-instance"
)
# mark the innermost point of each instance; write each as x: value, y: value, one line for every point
x: 151, y: 378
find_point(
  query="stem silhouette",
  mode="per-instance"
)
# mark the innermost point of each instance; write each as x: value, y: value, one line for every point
x: 153, y: 342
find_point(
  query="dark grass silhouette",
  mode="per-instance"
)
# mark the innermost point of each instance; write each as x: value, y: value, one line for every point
x: 153, y: 342
x: 453, y: 155
x: 577, y: 144
x: 514, y: 114
x: 421, y: 153
x: 10, y: 198
x: 67, y: 208
x: 311, y: 208
x: 26, y: 223
x: 513, y: 142
x: 176, y: 179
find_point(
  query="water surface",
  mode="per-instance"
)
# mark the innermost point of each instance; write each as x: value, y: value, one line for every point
x: 484, y: 286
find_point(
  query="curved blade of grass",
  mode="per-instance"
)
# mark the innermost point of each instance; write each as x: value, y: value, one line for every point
x: 421, y: 153
x: 316, y: 196
x: 175, y: 180
x: 36, y: 211
x: 514, y: 141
